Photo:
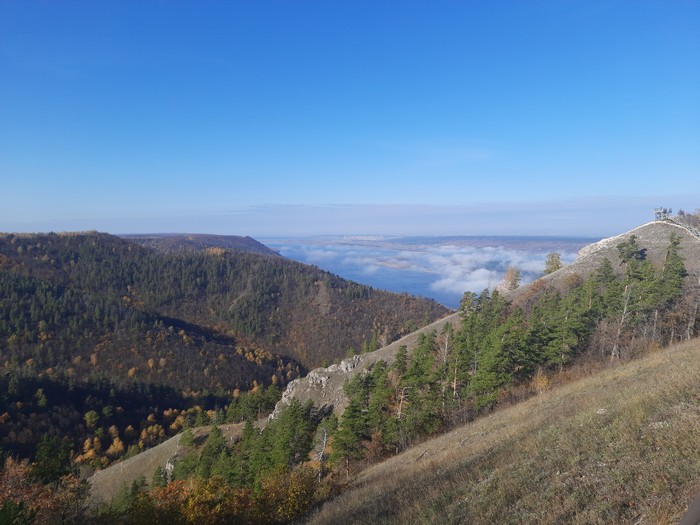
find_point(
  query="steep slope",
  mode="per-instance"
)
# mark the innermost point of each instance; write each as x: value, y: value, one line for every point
x: 324, y: 386
x: 620, y: 446
x: 113, y: 346
x: 106, y: 484
x: 281, y: 306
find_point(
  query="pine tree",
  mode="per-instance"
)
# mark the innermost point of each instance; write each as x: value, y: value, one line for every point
x: 291, y: 434
x: 674, y: 272
x: 160, y: 479
x: 553, y: 263
x: 354, y: 426
x: 629, y: 251
x: 213, y: 446
x: 227, y: 467
x: 401, y: 361
x: 52, y: 459
x: 505, y: 353
x: 380, y: 397
x: 422, y: 362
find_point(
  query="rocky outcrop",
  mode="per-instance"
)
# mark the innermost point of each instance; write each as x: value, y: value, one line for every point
x: 324, y: 386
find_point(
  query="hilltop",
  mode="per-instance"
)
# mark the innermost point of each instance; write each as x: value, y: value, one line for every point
x: 177, y: 242
x: 653, y: 237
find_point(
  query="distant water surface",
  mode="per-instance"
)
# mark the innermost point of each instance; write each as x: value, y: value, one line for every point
x: 441, y: 268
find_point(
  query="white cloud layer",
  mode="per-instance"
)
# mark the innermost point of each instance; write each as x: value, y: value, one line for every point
x: 437, y: 269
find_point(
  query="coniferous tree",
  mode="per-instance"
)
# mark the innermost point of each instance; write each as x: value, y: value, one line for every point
x: 291, y: 434
x: 553, y: 263
x: 354, y: 426
x: 53, y: 460
x: 213, y: 446
x: 380, y: 396
x: 674, y: 273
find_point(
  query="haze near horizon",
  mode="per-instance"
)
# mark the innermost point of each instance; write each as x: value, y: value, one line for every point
x: 310, y: 118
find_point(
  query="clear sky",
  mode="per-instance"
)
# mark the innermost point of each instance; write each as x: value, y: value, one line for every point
x: 363, y: 117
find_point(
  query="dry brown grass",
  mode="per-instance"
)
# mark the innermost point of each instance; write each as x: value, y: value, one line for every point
x: 621, y: 446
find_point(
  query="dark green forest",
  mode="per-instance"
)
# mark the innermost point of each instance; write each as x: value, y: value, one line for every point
x: 106, y: 341
x: 503, y: 352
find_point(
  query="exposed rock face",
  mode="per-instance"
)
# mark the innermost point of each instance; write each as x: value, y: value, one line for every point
x: 324, y: 386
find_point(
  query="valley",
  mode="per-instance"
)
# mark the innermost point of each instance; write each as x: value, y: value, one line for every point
x: 523, y: 384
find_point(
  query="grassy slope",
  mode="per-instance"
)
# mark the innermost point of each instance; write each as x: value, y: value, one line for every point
x: 621, y: 446
x: 106, y: 484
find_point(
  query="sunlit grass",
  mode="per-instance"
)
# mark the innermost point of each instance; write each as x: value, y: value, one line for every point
x: 622, y: 446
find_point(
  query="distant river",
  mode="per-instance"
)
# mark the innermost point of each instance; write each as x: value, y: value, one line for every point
x: 441, y: 268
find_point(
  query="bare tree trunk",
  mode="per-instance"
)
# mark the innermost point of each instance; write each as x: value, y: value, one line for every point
x: 322, y: 453
x: 615, y: 354
x: 445, y: 355
x: 454, y: 383
x: 691, y: 322
x: 673, y: 333
x: 402, y: 395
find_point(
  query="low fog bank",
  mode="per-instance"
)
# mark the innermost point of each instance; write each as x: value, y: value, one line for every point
x: 442, y: 268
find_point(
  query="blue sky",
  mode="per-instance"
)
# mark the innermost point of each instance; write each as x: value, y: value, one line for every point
x: 307, y: 118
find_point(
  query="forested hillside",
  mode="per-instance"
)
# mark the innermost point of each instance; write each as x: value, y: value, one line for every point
x: 502, y: 352
x: 190, y: 242
x: 500, y: 349
x: 103, y: 340
x: 624, y: 298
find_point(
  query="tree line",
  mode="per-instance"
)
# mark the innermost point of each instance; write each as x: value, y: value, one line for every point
x: 502, y: 350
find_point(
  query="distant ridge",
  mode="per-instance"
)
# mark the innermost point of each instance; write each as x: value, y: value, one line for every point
x: 177, y: 242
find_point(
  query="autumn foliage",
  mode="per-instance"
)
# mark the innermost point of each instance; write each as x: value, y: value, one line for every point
x: 282, y: 497
x: 25, y: 499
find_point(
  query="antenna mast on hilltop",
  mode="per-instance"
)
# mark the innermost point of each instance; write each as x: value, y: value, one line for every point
x: 662, y: 214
